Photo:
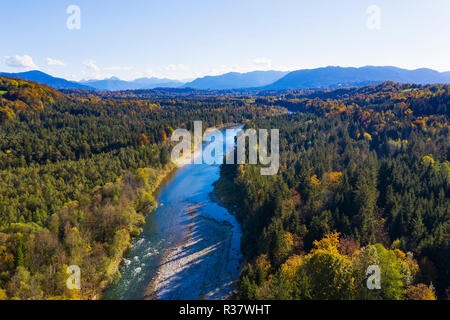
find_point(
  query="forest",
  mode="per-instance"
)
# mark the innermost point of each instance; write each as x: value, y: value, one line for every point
x: 77, y: 176
x: 364, y: 179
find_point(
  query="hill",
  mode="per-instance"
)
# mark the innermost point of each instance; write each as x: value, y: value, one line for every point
x: 41, y: 77
x: 17, y: 95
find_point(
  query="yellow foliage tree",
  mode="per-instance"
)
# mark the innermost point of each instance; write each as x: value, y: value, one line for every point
x: 420, y: 292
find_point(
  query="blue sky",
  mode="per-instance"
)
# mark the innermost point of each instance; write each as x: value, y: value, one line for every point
x: 190, y: 38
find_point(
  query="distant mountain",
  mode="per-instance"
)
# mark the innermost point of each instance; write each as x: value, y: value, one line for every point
x: 320, y: 78
x: 110, y: 84
x: 41, y: 77
x: 335, y: 77
x: 114, y: 84
x: 150, y: 83
x: 235, y: 80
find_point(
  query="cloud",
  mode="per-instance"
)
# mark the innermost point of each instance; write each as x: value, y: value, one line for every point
x: 145, y: 74
x: 24, y: 61
x: 264, y: 63
x: 90, y: 64
x: 54, y: 62
x: 118, y: 68
x: 176, y: 67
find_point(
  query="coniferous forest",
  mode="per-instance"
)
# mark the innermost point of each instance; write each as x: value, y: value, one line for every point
x: 363, y: 180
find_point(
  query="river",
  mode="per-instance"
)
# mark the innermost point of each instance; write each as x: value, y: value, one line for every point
x: 189, y: 247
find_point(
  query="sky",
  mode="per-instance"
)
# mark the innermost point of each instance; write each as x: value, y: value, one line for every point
x: 185, y: 39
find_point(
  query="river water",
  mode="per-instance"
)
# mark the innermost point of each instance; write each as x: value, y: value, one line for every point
x: 190, y: 245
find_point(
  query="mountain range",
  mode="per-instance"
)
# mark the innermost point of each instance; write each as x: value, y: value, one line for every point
x: 235, y: 80
x: 113, y: 84
x: 334, y: 77
x: 320, y: 78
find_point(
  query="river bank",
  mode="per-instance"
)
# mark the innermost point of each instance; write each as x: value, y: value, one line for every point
x: 160, y: 176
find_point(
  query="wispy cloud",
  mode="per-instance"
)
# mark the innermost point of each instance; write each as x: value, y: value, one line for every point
x: 263, y: 63
x: 90, y: 64
x: 24, y: 61
x: 54, y: 62
x: 118, y: 68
